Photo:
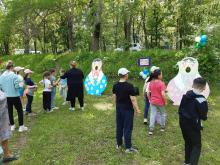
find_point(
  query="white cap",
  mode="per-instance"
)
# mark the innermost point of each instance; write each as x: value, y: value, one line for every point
x: 27, y: 71
x: 153, y: 68
x: 18, y: 68
x: 123, y: 71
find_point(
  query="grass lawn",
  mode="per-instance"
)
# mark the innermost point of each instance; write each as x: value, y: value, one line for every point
x: 66, y: 138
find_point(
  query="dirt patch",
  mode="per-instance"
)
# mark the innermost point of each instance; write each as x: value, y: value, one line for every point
x: 103, y: 106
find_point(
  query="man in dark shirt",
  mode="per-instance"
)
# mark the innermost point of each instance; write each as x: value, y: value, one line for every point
x: 124, y: 94
x: 193, y: 108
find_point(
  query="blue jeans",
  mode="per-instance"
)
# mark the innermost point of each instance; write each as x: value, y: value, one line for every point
x: 153, y: 114
x: 146, y: 108
x: 124, y: 124
x: 53, y: 97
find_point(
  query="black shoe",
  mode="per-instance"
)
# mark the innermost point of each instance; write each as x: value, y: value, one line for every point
x: 9, y: 159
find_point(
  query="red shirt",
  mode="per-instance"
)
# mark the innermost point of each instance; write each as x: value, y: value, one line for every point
x: 156, y: 87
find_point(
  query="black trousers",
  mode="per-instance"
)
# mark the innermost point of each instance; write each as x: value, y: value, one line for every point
x: 29, y: 103
x: 124, y: 124
x: 47, y: 101
x: 80, y: 99
x: 192, y: 138
x: 16, y: 102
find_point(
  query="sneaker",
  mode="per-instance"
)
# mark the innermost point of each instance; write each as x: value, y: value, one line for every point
x: 12, y: 127
x: 82, y: 108
x: 55, y: 108
x: 162, y: 129
x: 186, y: 164
x: 64, y: 103
x: 72, y: 109
x: 145, y: 121
x: 9, y: 159
x: 131, y: 150
x: 22, y: 128
x: 151, y: 132
x: 118, y: 147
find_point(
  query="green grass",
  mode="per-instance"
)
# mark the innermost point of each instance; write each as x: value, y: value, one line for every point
x: 66, y: 138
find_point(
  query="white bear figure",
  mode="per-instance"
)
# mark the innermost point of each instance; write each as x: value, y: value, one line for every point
x: 178, y: 86
x: 96, y: 82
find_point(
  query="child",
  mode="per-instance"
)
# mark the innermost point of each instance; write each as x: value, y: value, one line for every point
x: 63, y: 87
x: 126, y: 102
x: 146, y: 91
x: 147, y: 104
x: 47, y: 92
x: 31, y: 87
x: 18, y: 71
x: 157, y: 99
x: 193, y: 108
x: 53, y: 90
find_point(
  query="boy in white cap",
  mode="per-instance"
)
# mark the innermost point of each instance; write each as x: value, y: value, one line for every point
x: 126, y: 102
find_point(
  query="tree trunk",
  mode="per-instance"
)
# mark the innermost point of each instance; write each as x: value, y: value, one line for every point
x: 97, y: 27
x: 6, y: 47
x: 70, y: 31
x: 127, y: 29
x: 26, y: 36
x: 144, y: 27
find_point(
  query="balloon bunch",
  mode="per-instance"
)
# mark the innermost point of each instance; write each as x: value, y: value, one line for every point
x: 143, y: 74
x: 201, y: 41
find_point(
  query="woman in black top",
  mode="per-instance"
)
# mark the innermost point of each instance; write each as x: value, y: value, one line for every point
x: 75, y: 85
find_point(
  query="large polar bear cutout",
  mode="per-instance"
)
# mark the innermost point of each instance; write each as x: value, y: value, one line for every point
x: 179, y: 85
x: 96, y: 82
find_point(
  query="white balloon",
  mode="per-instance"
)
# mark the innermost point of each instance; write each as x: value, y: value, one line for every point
x: 197, y: 39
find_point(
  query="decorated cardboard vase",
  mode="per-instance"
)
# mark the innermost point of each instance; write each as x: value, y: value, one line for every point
x: 96, y: 82
x: 179, y: 85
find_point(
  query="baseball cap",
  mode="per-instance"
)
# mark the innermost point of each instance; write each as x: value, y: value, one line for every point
x: 153, y: 68
x: 123, y: 71
x: 27, y: 71
x: 18, y: 68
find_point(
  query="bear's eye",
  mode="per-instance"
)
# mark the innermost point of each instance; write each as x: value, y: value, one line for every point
x: 188, y: 69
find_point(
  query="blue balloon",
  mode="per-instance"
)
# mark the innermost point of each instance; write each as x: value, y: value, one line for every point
x: 145, y: 72
x: 203, y: 39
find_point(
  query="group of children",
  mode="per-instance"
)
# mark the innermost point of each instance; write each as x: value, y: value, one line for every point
x: 193, y: 109
x: 49, y: 83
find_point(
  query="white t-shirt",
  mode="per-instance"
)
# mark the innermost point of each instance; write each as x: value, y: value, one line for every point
x: 21, y: 81
x: 47, y: 84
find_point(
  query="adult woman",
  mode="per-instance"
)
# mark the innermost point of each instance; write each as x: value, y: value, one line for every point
x: 9, y: 83
x: 75, y: 85
x: 5, y: 131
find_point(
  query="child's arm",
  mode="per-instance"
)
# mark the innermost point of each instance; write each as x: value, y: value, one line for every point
x: 202, y: 107
x: 164, y: 97
x: 135, y: 104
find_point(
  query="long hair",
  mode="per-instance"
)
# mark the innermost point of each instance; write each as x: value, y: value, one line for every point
x: 25, y: 76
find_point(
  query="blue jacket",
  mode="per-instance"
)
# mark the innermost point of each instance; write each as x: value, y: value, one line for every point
x: 9, y: 84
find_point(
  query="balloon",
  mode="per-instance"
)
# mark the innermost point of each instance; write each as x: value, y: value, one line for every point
x: 197, y: 39
x: 203, y: 39
x: 197, y: 45
x: 145, y: 72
